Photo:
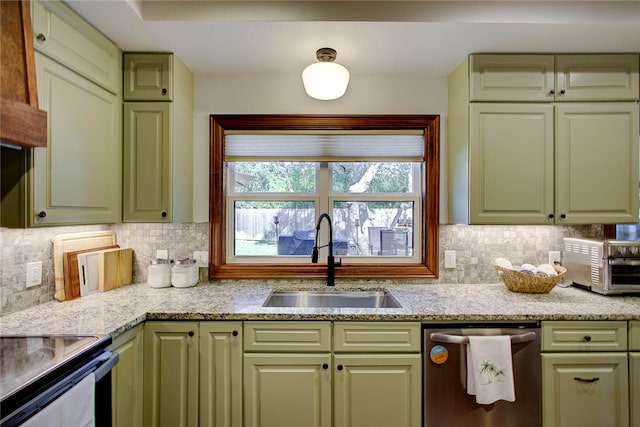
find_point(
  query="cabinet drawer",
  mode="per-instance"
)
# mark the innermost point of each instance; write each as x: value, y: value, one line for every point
x: 64, y: 36
x: 287, y: 336
x: 377, y: 337
x: 634, y: 335
x: 584, y: 336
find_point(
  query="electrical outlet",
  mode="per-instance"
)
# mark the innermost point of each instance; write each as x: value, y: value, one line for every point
x: 34, y: 273
x: 555, y: 256
x: 201, y: 257
x: 449, y: 259
x: 162, y: 254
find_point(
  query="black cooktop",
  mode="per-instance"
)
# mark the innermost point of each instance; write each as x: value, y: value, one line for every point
x: 27, y: 360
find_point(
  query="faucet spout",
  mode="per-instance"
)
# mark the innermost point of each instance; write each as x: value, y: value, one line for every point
x: 331, y: 264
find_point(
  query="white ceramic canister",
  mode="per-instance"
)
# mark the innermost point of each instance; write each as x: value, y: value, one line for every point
x: 159, y: 273
x: 184, y: 273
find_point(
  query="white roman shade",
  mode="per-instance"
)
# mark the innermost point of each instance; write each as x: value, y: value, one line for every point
x: 398, y: 146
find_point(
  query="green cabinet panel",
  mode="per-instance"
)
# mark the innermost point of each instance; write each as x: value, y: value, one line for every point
x: 171, y: 372
x: 76, y: 179
x: 585, y: 389
x: 597, y: 153
x: 377, y: 390
x: 64, y: 36
x: 127, y: 379
x: 634, y: 388
x: 148, y: 77
x: 221, y: 374
x: 287, y: 389
x: 147, y: 162
x: 158, y: 145
x: 511, y: 164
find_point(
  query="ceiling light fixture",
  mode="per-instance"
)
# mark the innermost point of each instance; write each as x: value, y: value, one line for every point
x: 325, y: 79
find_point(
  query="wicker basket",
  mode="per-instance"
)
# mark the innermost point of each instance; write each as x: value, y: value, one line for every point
x: 519, y: 282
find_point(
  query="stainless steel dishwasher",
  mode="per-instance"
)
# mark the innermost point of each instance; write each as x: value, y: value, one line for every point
x: 446, y: 402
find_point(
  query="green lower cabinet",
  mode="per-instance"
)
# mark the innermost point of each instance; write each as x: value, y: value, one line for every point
x: 171, y: 372
x: 377, y: 390
x: 287, y: 389
x: 221, y: 374
x: 127, y: 379
x: 585, y: 389
x: 634, y: 387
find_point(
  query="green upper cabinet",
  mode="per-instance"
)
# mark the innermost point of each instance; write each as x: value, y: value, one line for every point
x: 77, y: 178
x: 529, y: 157
x: 147, y: 77
x: 158, y: 143
x: 547, y: 78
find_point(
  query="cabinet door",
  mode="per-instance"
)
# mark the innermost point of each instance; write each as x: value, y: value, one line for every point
x: 171, y: 374
x: 147, y: 77
x: 377, y: 390
x: 77, y: 177
x: 585, y: 389
x: 597, y: 163
x: 634, y: 388
x: 598, y: 77
x: 221, y: 374
x: 511, y: 164
x: 287, y: 390
x: 127, y: 380
x: 147, y: 162
x: 511, y: 78
x: 64, y: 36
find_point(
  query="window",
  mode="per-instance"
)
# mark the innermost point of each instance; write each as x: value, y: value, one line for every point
x: 272, y: 176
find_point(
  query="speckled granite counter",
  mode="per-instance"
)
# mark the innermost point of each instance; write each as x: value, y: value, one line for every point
x: 115, y: 311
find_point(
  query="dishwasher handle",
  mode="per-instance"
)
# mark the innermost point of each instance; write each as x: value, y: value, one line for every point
x: 464, y: 339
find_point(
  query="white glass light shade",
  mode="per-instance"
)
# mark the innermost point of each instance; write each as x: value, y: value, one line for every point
x: 325, y: 80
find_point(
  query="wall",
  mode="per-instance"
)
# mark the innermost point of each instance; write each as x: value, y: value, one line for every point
x: 476, y: 246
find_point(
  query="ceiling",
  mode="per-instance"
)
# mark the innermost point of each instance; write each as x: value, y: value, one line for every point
x: 371, y: 37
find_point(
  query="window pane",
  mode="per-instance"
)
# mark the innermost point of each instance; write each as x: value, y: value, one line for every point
x: 374, y: 228
x: 270, y: 228
x: 372, y: 177
x: 275, y: 177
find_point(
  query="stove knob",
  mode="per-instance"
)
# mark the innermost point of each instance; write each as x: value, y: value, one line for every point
x: 633, y: 250
x: 622, y: 250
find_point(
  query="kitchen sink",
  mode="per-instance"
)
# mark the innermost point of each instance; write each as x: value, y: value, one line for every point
x: 332, y: 299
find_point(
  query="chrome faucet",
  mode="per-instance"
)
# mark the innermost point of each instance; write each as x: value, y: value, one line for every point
x: 331, y: 264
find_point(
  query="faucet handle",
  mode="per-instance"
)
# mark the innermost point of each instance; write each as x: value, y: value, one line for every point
x: 314, y: 255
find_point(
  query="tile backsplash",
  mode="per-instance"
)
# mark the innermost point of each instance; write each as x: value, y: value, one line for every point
x: 476, y: 247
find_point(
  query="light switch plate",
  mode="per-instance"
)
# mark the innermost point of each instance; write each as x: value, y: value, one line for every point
x: 162, y: 254
x: 449, y: 259
x: 34, y: 273
x: 201, y: 257
x: 555, y: 256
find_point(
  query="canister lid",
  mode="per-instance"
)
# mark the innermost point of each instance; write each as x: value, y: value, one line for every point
x: 185, y: 261
x: 155, y: 261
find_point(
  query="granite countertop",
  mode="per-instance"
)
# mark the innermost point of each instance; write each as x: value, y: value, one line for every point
x: 118, y: 310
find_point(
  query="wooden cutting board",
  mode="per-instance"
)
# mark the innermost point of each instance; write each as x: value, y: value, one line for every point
x: 115, y: 268
x: 71, y: 273
x: 70, y: 242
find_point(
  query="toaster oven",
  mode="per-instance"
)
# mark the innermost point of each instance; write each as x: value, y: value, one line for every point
x: 608, y: 267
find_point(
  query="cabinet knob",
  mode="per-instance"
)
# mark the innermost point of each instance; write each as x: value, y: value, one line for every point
x: 340, y: 367
x: 563, y: 216
x: 552, y: 91
x: 325, y: 366
x: 41, y: 37
x: 191, y: 333
x: 234, y: 333
x: 164, y: 91
x: 164, y: 214
x: 587, y: 338
x: 550, y: 216
x: 42, y: 214
x: 562, y: 92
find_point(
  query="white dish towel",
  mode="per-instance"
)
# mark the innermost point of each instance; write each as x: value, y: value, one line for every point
x: 490, y: 369
x: 75, y: 408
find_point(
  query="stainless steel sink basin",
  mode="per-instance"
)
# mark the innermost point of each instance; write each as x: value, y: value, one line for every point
x: 332, y: 299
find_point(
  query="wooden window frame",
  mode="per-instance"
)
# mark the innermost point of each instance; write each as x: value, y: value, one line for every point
x: 428, y: 265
